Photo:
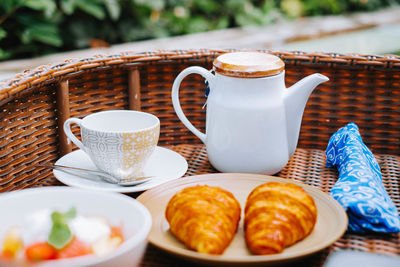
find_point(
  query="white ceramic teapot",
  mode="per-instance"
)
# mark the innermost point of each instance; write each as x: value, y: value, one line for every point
x: 253, y: 120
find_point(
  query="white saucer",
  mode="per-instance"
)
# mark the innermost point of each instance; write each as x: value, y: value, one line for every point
x: 164, y: 165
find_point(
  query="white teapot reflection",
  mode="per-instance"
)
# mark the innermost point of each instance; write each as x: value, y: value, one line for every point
x: 253, y: 120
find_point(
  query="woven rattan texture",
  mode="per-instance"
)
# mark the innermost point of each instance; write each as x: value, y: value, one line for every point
x: 28, y: 137
x: 372, y: 100
x: 363, y: 89
x: 306, y: 166
x: 156, y: 85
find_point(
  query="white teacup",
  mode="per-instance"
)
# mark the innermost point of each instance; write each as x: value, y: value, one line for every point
x: 118, y: 142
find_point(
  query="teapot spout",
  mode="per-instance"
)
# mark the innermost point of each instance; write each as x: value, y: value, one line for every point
x: 295, y: 99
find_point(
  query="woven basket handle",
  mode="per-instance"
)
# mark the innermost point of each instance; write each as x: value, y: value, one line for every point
x: 175, y: 96
x: 70, y: 135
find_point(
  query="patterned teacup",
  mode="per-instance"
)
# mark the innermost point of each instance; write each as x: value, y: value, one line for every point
x: 118, y: 142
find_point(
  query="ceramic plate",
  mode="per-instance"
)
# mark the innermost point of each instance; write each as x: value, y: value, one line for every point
x: 164, y: 165
x: 331, y: 221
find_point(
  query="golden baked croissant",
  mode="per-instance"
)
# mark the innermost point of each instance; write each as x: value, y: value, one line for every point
x: 277, y: 215
x: 204, y: 218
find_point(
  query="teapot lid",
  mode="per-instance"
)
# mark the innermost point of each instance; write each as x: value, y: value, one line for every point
x: 248, y: 64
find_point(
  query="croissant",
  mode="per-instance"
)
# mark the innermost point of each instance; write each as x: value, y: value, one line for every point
x: 277, y: 215
x: 204, y: 218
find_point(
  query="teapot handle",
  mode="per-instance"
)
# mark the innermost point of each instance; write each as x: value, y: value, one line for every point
x: 175, y: 96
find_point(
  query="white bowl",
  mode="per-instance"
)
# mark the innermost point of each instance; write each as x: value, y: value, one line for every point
x: 117, y: 208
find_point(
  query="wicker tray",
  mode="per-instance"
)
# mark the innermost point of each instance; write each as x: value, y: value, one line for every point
x: 362, y: 89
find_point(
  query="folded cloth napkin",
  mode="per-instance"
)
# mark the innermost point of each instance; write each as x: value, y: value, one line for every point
x: 359, y: 188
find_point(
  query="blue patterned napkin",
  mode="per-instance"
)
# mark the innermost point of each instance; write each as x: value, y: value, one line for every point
x: 359, y: 188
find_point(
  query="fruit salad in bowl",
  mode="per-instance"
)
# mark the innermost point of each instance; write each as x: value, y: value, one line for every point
x: 49, y: 235
x: 60, y: 226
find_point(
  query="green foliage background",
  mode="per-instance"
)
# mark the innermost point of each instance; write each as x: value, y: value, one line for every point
x: 36, y: 27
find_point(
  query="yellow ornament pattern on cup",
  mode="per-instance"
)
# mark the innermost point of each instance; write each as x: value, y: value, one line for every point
x: 138, y: 147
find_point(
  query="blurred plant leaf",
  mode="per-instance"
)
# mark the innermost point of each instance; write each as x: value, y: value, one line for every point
x: 153, y: 4
x: 207, y: 5
x: 130, y: 32
x: 47, y: 6
x: 113, y: 8
x: 222, y: 23
x: 41, y: 32
x: 9, y: 5
x: 292, y: 8
x: 3, y: 33
x: 68, y: 6
x: 197, y: 24
x: 92, y: 7
x: 35, y: 27
x: 4, y: 54
x: 80, y: 32
x: 317, y: 7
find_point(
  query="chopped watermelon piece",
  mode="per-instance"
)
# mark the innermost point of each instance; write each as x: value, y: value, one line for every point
x: 74, y: 249
x: 40, y: 252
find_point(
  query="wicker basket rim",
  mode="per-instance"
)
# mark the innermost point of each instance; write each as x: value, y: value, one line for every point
x: 56, y: 72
